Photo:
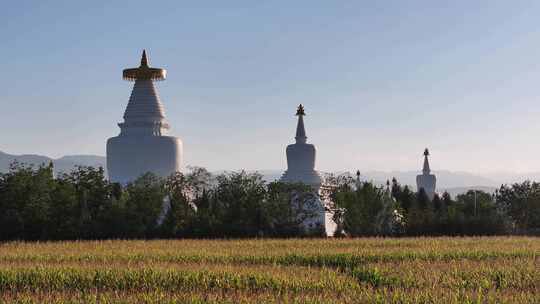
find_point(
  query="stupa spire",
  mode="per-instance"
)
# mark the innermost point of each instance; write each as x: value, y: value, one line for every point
x: 300, y: 130
x: 144, y: 104
x: 144, y: 59
x: 426, y: 170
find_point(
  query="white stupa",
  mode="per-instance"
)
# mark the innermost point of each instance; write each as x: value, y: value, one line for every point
x: 301, y: 158
x: 426, y: 180
x: 143, y: 145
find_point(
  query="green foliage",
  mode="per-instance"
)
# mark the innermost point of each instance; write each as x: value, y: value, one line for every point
x: 238, y: 199
x: 88, y: 204
x: 144, y: 200
x: 287, y: 209
x: 522, y: 203
x: 83, y: 204
x: 25, y: 202
x: 361, y: 208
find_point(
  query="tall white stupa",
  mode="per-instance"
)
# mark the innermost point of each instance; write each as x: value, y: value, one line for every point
x: 426, y: 180
x: 301, y: 158
x: 143, y: 145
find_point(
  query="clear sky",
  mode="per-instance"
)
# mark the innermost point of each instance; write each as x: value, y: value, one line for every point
x: 380, y: 80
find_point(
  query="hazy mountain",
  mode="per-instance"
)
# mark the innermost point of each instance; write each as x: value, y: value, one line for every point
x: 453, y: 182
x: 459, y: 190
x: 63, y: 164
x: 512, y: 177
x: 445, y: 179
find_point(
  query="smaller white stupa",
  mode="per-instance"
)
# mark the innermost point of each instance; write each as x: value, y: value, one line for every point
x: 426, y: 180
x: 301, y: 158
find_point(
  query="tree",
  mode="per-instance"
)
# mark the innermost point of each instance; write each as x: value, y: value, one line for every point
x: 183, y: 193
x: 238, y: 199
x: 388, y: 220
x: 440, y: 213
x: 416, y: 216
x: 92, y: 198
x: 25, y: 201
x: 143, y: 204
x: 403, y: 195
x: 64, y: 211
x: 359, y: 208
x: 521, y: 201
x: 288, y: 208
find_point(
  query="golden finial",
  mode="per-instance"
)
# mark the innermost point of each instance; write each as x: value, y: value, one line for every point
x: 300, y: 111
x: 144, y: 59
x: 144, y: 71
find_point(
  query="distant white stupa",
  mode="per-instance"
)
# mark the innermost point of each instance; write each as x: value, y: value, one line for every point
x: 426, y: 180
x: 143, y: 145
x: 301, y: 158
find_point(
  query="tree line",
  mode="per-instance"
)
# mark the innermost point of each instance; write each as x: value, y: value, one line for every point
x: 364, y: 209
x: 82, y: 204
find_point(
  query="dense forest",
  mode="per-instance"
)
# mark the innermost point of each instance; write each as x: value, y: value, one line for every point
x: 37, y: 205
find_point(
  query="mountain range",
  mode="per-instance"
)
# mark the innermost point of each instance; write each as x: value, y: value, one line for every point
x: 452, y: 181
x: 63, y: 164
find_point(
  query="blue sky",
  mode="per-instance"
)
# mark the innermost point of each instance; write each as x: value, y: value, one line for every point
x: 380, y: 80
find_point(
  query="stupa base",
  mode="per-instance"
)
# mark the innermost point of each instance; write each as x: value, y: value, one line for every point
x: 129, y: 157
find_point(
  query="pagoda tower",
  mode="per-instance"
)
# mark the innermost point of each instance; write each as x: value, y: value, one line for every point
x: 301, y: 157
x: 143, y: 145
x: 426, y: 180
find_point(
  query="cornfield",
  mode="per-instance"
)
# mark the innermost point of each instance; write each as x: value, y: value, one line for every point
x: 366, y: 270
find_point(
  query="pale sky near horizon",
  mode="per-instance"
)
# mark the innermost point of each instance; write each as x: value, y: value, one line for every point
x: 380, y: 80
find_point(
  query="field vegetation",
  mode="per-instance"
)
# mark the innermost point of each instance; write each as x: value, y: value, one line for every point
x: 364, y: 270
